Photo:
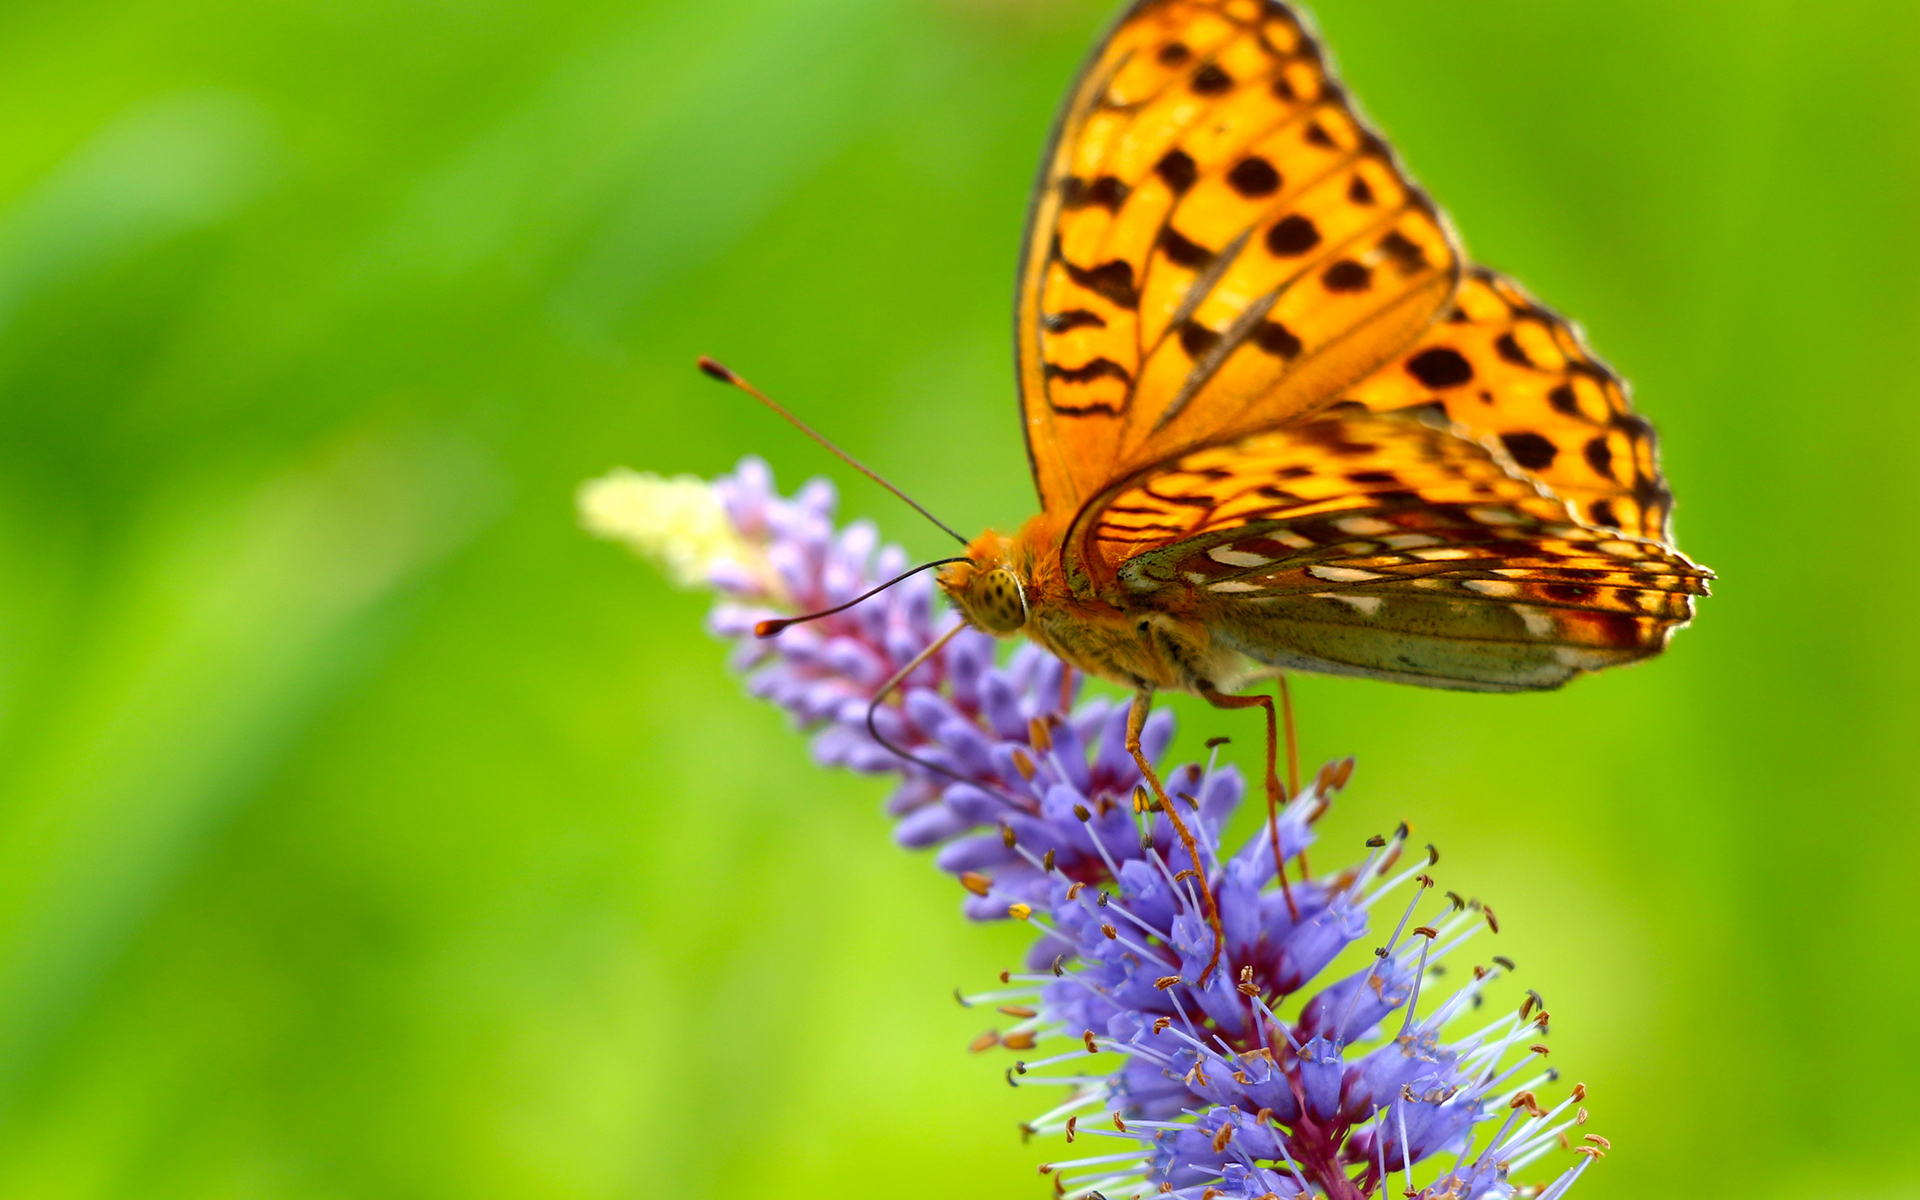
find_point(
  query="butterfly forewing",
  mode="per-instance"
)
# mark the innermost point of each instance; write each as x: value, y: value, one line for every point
x: 1392, y: 545
x: 1217, y: 243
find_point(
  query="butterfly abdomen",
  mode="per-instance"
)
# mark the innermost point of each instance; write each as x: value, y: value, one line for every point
x: 1138, y: 648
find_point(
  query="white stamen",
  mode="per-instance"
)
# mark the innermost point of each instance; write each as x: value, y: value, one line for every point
x: 992, y: 997
x: 1406, y: 1147
x: 1380, y: 1142
x: 1069, y: 1056
x: 1390, y: 885
x: 1071, y: 1164
x: 1418, y: 976
x: 1559, y: 1186
x: 1099, y: 845
x: 1074, y: 1104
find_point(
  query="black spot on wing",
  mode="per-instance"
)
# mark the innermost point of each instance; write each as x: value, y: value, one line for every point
x: 1564, y: 401
x: 1098, y: 368
x: 1105, y: 192
x: 1073, y: 318
x: 1072, y: 408
x: 1358, y: 192
x: 1182, y: 251
x: 1177, y: 169
x: 1599, y: 456
x: 1404, y: 251
x: 1507, y: 348
x: 1196, y: 339
x: 1276, y: 339
x: 1292, y: 236
x: 1603, y: 514
x: 1253, y: 177
x: 1440, y: 367
x: 1633, y: 425
x: 1174, y: 53
x: 1651, y: 493
x: 1347, y: 276
x: 1112, y: 280
x: 1530, y: 450
x: 1210, y: 80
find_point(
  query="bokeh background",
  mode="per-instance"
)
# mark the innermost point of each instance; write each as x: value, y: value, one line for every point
x: 368, y: 831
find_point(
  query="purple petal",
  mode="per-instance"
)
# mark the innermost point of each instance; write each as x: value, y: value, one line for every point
x: 928, y: 826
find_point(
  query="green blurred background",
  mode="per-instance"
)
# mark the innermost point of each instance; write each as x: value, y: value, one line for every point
x: 367, y: 830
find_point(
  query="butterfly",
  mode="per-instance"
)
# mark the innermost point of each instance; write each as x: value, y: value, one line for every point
x: 1278, y: 423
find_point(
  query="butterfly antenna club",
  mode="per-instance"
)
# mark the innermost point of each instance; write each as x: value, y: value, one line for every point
x: 726, y: 374
x: 769, y: 628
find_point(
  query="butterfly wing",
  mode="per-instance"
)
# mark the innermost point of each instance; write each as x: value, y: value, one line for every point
x: 1392, y: 545
x: 1504, y: 366
x: 1217, y: 243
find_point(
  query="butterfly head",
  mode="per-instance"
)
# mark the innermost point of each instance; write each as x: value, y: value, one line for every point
x: 986, y: 588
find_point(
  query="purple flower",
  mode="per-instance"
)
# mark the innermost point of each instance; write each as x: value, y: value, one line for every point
x: 1178, y: 1060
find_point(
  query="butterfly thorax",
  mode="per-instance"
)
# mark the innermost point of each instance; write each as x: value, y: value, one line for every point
x: 1014, y: 585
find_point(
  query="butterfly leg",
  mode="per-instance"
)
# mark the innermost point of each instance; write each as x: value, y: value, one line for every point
x: 1136, y: 721
x: 1275, y: 794
x: 1293, y: 752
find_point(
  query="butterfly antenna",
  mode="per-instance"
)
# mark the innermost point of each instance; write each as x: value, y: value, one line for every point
x: 724, y: 374
x: 767, y: 629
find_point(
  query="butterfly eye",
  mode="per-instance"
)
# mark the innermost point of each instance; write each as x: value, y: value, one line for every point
x: 999, y: 603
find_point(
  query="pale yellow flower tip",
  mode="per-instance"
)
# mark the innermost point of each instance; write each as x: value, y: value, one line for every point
x: 676, y: 523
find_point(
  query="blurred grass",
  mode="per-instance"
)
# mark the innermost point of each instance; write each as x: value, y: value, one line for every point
x: 367, y: 830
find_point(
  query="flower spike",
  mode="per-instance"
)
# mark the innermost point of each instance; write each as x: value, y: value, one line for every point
x: 1164, y: 956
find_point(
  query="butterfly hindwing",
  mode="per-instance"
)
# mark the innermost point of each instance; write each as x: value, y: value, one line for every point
x: 1505, y: 366
x: 1217, y: 243
x: 1390, y: 545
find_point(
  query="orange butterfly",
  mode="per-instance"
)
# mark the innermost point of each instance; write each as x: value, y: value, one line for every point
x: 1275, y: 421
